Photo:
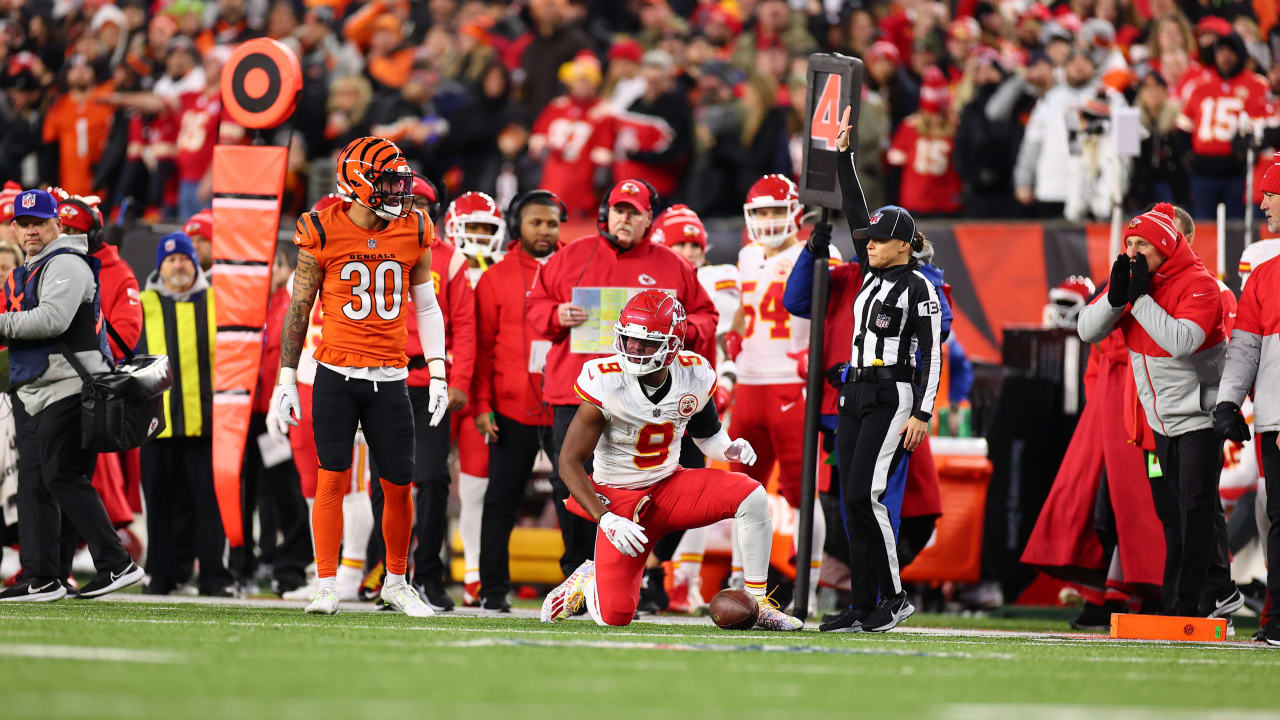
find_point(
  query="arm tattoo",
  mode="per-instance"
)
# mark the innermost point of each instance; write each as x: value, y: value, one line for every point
x: 306, y: 283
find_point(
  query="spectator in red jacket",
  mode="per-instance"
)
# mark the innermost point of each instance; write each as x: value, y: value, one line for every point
x: 431, y: 471
x: 510, y: 357
x: 620, y: 255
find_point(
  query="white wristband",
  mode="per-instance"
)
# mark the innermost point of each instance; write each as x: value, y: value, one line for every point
x: 288, y: 376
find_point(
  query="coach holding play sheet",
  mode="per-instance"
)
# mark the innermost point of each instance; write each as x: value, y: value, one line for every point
x: 53, y: 307
x: 1168, y: 306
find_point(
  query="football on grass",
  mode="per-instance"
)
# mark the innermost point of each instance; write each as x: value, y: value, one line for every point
x: 734, y: 609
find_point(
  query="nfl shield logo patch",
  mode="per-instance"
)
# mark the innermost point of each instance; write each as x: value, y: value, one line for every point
x: 373, y: 243
x: 29, y: 200
x: 882, y: 321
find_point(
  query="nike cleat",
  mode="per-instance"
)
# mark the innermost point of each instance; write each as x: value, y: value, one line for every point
x: 401, y: 596
x: 771, y: 618
x: 324, y: 603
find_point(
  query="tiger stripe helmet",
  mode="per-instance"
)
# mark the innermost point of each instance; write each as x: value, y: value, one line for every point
x: 373, y: 172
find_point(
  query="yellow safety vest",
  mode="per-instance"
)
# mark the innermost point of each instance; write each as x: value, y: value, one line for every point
x: 184, y: 331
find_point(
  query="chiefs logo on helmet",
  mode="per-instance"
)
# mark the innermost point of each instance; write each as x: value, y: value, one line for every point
x: 657, y: 320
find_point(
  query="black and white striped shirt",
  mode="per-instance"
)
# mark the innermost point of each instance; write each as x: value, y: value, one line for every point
x: 897, y: 312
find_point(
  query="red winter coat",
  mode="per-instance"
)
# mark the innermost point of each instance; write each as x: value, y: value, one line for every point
x: 458, y: 303
x: 504, y: 338
x: 592, y: 261
x: 121, y: 305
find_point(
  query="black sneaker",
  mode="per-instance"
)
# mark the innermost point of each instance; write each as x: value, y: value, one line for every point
x: 109, y: 581
x: 1222, y: 607
x: 849, y: 621
x: 1255, y: 595
x: 1093, y: 618
x: 434, y: 595
x: 34, y: 590
x: 653, y: 593
x: 495, y: 606
x: 72, y: 590
x: 1268, y: 635
x: 892, y: 610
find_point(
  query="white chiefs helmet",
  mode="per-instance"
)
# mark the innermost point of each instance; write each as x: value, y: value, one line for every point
x: 475, y: 208
x: 772, y: 191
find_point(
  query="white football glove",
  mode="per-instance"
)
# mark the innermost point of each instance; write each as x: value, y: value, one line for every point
x: 740, y: 451
x: 286, y: 408
x: 625, y: 535
x: 437, y: 400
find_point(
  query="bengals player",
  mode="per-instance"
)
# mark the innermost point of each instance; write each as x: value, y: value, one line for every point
x: 364, y: 258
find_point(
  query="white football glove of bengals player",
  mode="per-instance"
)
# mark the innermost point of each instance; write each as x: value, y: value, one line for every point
x: 625, y: 535
x: 286, y: 407
x: 437, y: 399
x: 740, y: 451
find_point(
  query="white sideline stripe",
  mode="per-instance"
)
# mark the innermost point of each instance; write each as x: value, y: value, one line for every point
x: 245, y: 204
x: 239, y: 336
x: 104, y: 654
x: 254, y: 270
x: 725, y: 647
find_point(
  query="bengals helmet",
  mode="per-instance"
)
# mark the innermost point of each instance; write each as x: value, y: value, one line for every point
x: 656, y: 318
x: 768, y: 192
x: 680, y: 224
x: 373, y: 172
x: 475, y: 208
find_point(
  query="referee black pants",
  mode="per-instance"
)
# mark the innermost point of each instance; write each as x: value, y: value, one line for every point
x: 1185, y: 492
x: 511, y: 459
x: 871, y: 414
x: 1271, y: 471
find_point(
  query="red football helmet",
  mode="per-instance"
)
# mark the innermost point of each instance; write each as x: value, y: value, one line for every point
x: 656, y: 318
x: 680, y: 224
x: 1066, y: 301
x: 373, y: 172
x: 472, y: 208
x: 324, y: 202
x: 768, y: 192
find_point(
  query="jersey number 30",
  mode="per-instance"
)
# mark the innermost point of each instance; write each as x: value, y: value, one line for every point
x: 653, y: 445
x: 387, y: 305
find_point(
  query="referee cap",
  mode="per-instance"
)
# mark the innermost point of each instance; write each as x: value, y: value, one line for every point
x: 889, y: 222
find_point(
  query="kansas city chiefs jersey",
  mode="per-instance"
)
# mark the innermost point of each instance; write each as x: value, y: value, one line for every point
x: 772, y: 335
x: 721, y: 283
x: 641, y: 441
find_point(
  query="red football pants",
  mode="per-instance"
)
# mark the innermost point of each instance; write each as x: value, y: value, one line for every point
x: 771, y: 418
x: 689, y: 498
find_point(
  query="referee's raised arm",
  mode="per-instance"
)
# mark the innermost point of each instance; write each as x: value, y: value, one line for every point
x: 855, y: 201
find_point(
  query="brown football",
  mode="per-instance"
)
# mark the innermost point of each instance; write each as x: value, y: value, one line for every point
x: 734, y: 609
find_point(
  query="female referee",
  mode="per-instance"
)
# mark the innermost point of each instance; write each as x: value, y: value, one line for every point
x: 883, y: 413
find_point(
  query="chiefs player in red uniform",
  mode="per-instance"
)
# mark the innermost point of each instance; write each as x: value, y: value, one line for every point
x: 365, y: 258
x: 562, y: 133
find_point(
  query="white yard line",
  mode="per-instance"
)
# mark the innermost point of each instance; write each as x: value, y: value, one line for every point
x: 102, y: 654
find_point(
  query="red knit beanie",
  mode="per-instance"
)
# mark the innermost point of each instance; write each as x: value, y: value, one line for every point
x: 1271, y: 180
x: 935, y: 96
x: 1156, y: 226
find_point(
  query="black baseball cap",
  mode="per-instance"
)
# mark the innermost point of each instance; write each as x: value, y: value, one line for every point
x: 889, y: 222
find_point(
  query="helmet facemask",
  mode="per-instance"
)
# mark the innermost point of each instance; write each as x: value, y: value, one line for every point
x: 665, y: 346
x: 775, y: 230
x: 392, y: 194
x: 463, y: 231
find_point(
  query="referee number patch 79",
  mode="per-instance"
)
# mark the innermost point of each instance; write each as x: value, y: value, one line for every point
x: 928, y: 307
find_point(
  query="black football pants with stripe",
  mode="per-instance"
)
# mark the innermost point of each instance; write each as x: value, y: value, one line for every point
x: 871, y: 414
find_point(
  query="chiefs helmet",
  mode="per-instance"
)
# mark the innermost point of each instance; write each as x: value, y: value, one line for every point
x: 324, y: 202
x: 373, y: 172
x: 680, y: 224
x: 656, y: 318
x: 772, y: 191
x: 1066, y: 301
x: 475, y: 208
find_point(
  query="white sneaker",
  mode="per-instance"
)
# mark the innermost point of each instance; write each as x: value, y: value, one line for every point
x: 324, y: 603
x: 771, y: 618
x: 349, y: 579
x: 567, y: 598
x: 401, y: 596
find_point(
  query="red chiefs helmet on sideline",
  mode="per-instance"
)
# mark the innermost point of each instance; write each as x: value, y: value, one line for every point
x: 475, y: 208
x: 78, y: 214
x: 324, y: 202
x: 1066, y: 301
x: 656, y: 318
x: 768, y: 192
x: 8, y: 194
x: 680, y: 224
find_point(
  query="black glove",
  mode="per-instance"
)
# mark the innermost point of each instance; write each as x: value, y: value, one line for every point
x: 1229, y: 422
x: 833, y: 375
x: 1118, y: 288
x: 1140, y: 278
x: 820, y: 237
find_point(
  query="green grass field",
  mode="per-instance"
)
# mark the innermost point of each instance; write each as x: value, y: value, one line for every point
x: 105, y: 659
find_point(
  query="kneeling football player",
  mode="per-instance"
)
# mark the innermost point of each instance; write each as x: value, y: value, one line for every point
x: 638, y: 404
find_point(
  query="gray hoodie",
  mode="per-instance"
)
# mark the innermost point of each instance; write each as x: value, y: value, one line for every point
x: 65, y: 283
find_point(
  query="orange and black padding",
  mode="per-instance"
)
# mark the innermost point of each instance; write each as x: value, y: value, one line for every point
x: 260, y: 83
x: 248, y: 182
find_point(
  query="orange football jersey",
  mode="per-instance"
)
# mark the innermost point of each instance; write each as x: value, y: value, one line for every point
x: 364, y: 294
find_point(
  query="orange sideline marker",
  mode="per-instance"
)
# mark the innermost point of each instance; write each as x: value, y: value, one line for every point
x: 1128, y: 626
